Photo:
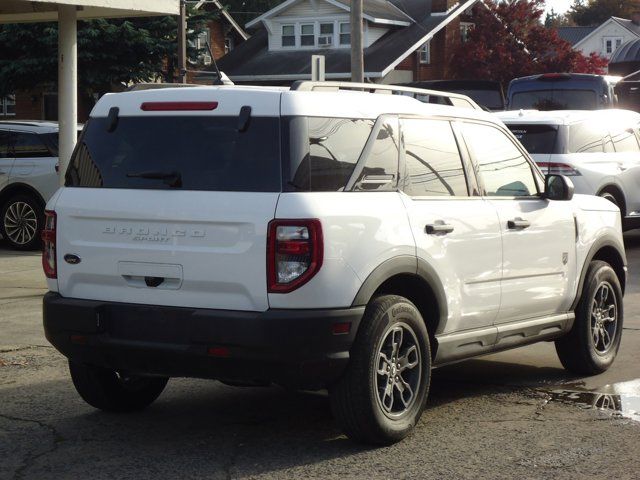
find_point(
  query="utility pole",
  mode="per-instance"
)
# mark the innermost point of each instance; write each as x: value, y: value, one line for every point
x: 182, y: 43
x: 357, y: 59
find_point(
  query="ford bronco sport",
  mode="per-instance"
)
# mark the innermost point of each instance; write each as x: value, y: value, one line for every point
x: 317, y: 239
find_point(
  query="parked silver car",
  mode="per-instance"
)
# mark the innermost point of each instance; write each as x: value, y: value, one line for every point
x: 28, y: 178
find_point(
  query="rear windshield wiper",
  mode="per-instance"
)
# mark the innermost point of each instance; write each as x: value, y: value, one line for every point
x: 172, y: 179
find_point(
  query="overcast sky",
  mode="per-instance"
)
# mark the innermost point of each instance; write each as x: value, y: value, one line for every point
x: 560, y: 6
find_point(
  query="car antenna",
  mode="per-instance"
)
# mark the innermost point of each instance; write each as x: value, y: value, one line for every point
x: 215, y: 65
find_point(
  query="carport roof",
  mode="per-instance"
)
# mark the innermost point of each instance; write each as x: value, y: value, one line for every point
x: 19, y: 11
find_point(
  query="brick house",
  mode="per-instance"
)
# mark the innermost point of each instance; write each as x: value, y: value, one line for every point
x: 404, y: 40
x: 223, y: 34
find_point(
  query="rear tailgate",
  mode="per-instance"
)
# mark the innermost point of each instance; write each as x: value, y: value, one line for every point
x: 172, y: 207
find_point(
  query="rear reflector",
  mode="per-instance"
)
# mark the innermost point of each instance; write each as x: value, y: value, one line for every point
x: 223, y: 352
x: 78, y: 339
x: 177, y: 106
x: 341, y: 328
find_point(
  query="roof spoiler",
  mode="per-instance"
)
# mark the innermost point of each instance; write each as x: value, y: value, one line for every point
x: 455, y: 99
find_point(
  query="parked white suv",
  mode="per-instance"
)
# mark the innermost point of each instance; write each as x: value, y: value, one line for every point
x: 317, y: 239
x: 599, y: 150
x: 28, y: 178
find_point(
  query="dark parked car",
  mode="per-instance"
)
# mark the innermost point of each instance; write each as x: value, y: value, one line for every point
x: 486, y: 93
x: 562, y: 91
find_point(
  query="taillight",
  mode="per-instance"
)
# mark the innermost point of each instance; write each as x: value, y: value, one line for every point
x: 49, y: 245
x: 556, y: 168
x: 294, y: 253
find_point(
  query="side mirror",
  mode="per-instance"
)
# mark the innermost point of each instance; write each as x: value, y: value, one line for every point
x: 558, y: 187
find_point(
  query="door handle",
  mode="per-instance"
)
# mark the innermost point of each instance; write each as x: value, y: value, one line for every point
x: 518, y: 224
x: 438, y: 228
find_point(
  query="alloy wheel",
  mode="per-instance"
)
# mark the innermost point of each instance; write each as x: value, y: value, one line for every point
x: 20, y: 223
x: 604, y: 318
x: 398, y: 370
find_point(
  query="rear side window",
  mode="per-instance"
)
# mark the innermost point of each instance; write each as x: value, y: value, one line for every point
x: 380, y: 169
x: 432, y: 159
x: 586, y: 137
x: 5, y: 144
x: 204, y: 153
x: 324, y: 151
x: 29, y: 145
x: 537, y: 139
x: 625, y: 141
x: 504, y: 170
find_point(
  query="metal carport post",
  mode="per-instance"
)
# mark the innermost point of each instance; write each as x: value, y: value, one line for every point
x: 67, y: 13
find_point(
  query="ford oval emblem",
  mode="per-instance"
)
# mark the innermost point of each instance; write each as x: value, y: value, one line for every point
x: 72, y: 259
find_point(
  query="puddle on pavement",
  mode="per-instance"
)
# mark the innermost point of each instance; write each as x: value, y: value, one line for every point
x: 620, y: 400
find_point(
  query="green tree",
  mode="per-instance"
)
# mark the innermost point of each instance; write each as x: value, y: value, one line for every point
x: 596, y: 12
x: 111, y: 53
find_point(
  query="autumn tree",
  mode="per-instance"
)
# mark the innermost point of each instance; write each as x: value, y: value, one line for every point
x: 596, y: 12
x: 510, y: 41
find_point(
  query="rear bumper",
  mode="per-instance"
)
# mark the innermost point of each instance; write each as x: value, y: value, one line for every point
x: 291, y: 347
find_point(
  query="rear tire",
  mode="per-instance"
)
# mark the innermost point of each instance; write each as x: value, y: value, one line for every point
x: 593, y: 342
x: 112, y: 391
x: 383, y: 392
x: 21, y: 221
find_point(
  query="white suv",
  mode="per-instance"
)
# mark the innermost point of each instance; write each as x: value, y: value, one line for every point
x: 317, y: 239
x: 28, y: 178
x: 599, y: 150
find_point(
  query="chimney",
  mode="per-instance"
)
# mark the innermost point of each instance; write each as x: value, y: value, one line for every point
x: 635, y: 17
x: 440, y: 6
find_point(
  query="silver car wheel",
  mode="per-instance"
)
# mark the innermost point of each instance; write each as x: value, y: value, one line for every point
x: 20, y: 223
x: 604, y: 318
x: 398, y: 370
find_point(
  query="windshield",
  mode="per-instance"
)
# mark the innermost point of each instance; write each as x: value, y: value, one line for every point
x: 537, y: 139
x: 555, y: 100
x: 191, y: 153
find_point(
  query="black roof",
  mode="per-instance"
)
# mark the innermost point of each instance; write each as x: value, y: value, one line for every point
x: 626, y: 58
x: 253, y: 58
x: 574, y: 35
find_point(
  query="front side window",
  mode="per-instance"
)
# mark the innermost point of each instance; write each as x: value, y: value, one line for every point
x: 307, y: 36
x: 503, y: 169
x: 432, y: 160
x: 288, y: 36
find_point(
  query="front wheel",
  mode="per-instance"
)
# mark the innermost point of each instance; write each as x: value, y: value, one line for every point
x: 382, y: 394
x: 114, y: 391
x: 591, y: 346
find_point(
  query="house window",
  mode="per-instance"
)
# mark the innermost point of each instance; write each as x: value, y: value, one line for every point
x: 345, y: 33
x: 465, y: 29
x: 288, y: 36
x: 425, y: 53
x: 326, y: 35
x: 202, y: 39
x: 8, y: 105
x: 228, y: 44
x: 307, y: 35
x: 611, y: 44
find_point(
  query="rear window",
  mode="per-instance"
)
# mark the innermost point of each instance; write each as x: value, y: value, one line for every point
x: 204, y: 153
x: 537, y: 139
x: 492, y: 99
x: 559, y: 99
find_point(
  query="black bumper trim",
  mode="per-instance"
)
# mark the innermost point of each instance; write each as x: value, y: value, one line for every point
x: 291, y: 347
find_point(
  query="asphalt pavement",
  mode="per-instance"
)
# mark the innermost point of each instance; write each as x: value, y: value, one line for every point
x: 516, y: 414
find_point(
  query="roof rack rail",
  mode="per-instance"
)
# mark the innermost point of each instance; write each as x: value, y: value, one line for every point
x: 158, y: 86
x: 432, y: 96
